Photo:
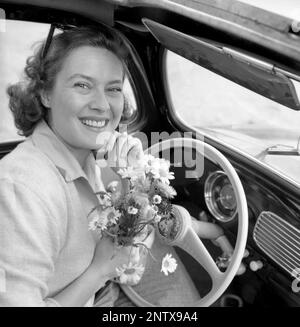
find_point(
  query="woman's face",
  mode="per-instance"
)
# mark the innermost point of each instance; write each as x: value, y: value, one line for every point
x: 87, y: 97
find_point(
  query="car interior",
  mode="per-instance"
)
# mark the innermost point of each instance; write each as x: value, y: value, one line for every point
x: 261, y: 55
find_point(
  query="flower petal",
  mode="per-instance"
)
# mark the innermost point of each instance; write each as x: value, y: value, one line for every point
x: 169, y: 264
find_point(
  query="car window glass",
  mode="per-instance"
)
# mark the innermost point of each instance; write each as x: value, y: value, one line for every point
x: 17, y: 43
x: 233, y: 114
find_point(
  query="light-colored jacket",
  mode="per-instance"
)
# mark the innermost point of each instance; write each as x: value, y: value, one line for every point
x: 45, y: 198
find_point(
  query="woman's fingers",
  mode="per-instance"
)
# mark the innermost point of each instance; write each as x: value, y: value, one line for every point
x: 106, y: 254
x: 111, y: 151
x: 111, y: 141
x: 135, y: 152
x: 123, y: 150
x: 123, y: 144
x: 114, y: 148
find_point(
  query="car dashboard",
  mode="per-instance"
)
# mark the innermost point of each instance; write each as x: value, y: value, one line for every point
x: 272, y: 255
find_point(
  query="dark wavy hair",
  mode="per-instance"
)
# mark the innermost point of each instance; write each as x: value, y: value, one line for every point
x: 41, y: 70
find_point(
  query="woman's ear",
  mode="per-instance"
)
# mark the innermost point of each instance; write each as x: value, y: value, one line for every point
x: 45, y: 98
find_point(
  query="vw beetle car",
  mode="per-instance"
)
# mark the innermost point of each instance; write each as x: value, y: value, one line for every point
x: 225, y: 73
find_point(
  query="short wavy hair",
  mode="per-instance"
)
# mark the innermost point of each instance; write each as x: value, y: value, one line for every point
x: 41, y: 70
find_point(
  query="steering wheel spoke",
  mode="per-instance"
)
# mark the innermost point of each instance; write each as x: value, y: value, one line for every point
x: 193, y: 245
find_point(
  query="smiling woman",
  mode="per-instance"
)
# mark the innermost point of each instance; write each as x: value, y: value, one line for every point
x: 71, y: 96
x: 69, y: 108
x: 222, y: 72
x: 17, y: 44
x: 82, y: 105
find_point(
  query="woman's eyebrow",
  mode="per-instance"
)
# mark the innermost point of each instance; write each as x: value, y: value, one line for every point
x: 91, y: 79
x: 116, y: 81
x: 81, y: 76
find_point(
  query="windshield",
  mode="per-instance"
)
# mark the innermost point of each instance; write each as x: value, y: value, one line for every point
x: 234, y: 115
x: 287, y: 8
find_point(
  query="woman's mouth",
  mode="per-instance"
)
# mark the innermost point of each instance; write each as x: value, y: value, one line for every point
x: 95, y: 125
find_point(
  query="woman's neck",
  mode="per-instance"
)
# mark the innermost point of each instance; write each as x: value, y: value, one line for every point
x: 79, y: 154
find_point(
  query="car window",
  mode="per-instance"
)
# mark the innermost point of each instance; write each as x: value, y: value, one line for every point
x: 288, y: 8
x: 234, y: 115
x: 17, y: 43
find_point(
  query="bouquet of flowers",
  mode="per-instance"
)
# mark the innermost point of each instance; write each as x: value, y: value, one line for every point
x: 128, y: 217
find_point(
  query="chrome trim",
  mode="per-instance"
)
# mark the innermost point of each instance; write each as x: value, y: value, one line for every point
x: 245, y: 58
x: 210, y: 202
x: 279, y: 240
x: 259, y: 63
x: 287, y: 74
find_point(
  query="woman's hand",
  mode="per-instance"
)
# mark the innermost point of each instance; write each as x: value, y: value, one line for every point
x: 107, y: 257
x: 122, y: 150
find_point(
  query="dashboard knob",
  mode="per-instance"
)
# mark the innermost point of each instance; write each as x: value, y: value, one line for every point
x: 295, y: 26
x: 241, y: 270
x: 246, y: 253
x: 256, y: 265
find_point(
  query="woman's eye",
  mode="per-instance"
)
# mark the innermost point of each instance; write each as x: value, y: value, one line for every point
x: 115, y: 89
x: 82, y: 85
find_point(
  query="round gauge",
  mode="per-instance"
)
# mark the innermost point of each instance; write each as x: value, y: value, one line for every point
x: 219, y: 196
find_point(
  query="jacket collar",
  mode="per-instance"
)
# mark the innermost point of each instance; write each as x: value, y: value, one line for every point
x: 47, y: 142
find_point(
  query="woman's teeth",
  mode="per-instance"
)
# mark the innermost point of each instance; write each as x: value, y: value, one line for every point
x: 94, y: 123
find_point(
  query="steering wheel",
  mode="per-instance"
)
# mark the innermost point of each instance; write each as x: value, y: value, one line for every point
x: 189, y: 240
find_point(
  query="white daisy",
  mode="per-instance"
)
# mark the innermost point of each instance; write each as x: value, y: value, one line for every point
x: 159, y: 168
x: 93, y: 223
x: 100, y: 220
x: 154, y: 168
x: 164, y: 173
x: 149, y: 213
x: 166, y: 190
x: 155, y: 208
x: 156, y: 199
x: 130, y: 274
x: 112, y: 186
x: 149, y: 162
x: 141, y: 184
x: 113, y: 215
x: 125, y: 172
x: 105, y: 200
x: 157, y: 219
x: 132, y: 210
x: 131, y: 172
x: 168, y: 264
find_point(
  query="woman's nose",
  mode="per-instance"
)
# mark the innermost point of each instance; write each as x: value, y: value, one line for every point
x: 100, y: 102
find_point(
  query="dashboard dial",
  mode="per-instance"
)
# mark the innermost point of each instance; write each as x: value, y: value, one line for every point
x: 219, y: 197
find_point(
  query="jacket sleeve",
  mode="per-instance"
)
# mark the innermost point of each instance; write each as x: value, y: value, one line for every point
x: 29, y: 246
